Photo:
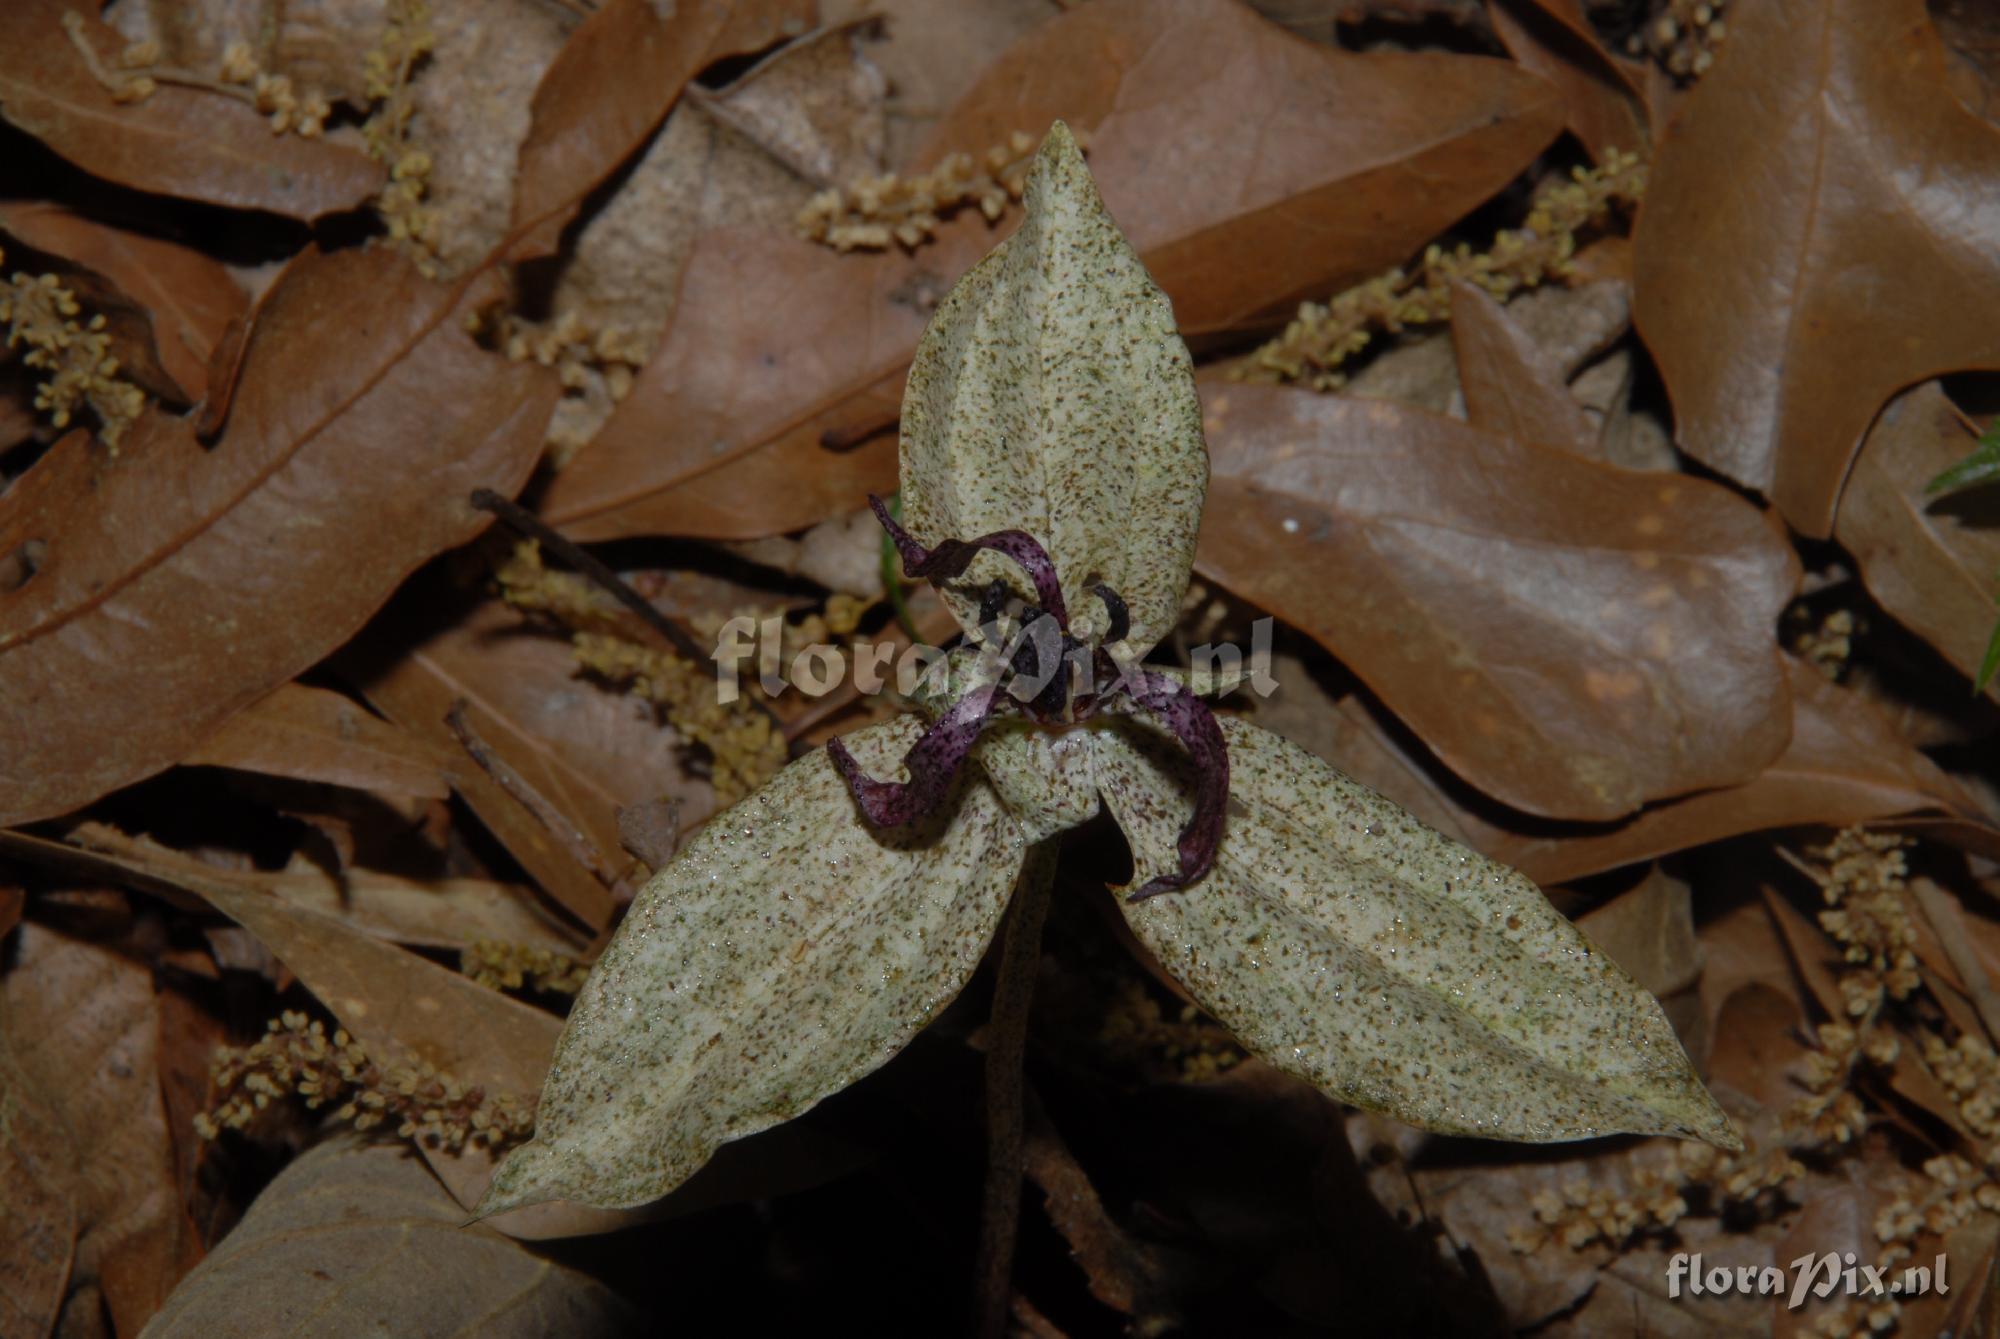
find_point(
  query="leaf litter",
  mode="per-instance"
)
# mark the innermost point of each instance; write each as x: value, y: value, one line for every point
x: 1610, y: 555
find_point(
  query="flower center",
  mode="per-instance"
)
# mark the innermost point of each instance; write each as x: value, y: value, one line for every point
x: 1045, y: 655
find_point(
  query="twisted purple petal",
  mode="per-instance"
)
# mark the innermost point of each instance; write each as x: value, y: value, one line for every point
x: 952, y: 556
x: 1194, y: 724
x: 933, y: 761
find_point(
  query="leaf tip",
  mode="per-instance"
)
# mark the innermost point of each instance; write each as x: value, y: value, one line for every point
x: 524, y: 1177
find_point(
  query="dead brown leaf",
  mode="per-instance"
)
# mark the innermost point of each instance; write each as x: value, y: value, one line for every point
x: 182, y: 583
x: 1514, y: 387
x: 314, y: 734
x: 38, y: 1216
x: 81, y: 1093
x: 1791, y: 272
x: 180, y: 141
x: 1572, y: 638
x: 352, y: 1234
x: 1248, y: 168
x: 186, y: 298
x: 1934, y: 563
x: 745, y: 157
x: 1758, y: 1043
x: 432, y: 913
x: 1649, y: 931
x: 609, y: 87
x: 720, y: 436
x: 1604, y: 103
x: 1845, y: 764
x: 584, y: 748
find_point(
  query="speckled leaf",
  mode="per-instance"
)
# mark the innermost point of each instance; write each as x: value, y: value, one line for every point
x: 1347, y: 943
x: 788, y: 951
x: 1044, y: 779
x: 1051, y: 393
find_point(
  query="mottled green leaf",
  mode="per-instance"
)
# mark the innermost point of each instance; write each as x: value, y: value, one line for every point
x: 1050, y: 393
x: 789, y: 950
x: 1043, y: 779
x: 1347, y: 943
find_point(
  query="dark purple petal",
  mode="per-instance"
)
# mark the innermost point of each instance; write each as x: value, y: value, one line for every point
x: 1194, y: 724
x: 1114, y: 607
x: 933, y: 761
x: 952, y: 556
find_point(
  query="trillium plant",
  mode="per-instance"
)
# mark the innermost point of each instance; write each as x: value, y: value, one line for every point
x: 1053, y: 472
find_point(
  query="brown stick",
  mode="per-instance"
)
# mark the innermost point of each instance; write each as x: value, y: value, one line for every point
x: 523, y: 521
x: 1006, y: 1039
x: 581, y: 848
x: 526, y: 522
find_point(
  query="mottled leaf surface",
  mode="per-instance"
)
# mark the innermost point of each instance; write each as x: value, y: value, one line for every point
x: 788, y: 951
x: 1051, y: 394
x: 1347, y: 943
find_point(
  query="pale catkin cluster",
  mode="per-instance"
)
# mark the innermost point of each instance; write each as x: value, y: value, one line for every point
x: 745, y: 747
x: 875, y: 212
x: 296, y: 1057
x: 406, y: 41
x: 574, y: 350
x: 1190, y: 1047
x: 502, y: 966
x: 1582, y: 1213
x: 75, y: 355
x: 141, y: 70
x: 1861, y: 875
x: 1829, y: 644
x: 1684, y: 37
x: 1323, y: 336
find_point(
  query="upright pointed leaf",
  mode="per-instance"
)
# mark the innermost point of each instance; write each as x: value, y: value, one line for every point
x: 788, y: 951
x: 1347, y: 943
x: 1050, y: 393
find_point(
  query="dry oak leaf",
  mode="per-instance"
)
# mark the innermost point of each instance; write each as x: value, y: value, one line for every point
x: 775, y: 342
x: 354, y: 1233
x: 1932, y: 562
x: 609, y: 87
x: 1817, y: 236
x: 1604, y: 105
x: 179, y: 141
x: 731, y: 159
x: 1846, y: 763
x: 397, y: 1004
x: 185, y: 297
x: 1514, y: 386
x: 315, y: 734
x: 180, y: 584
x: 1572, y: 638
x: 1250, y: 168
x: 84, y: 1128
x: 586, y: 749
